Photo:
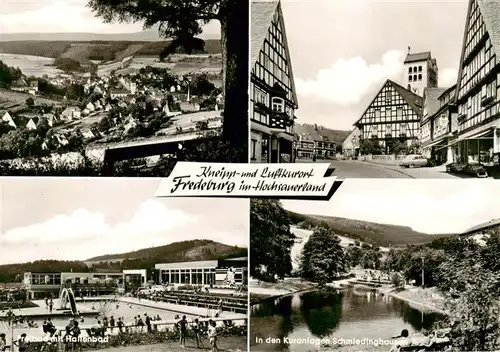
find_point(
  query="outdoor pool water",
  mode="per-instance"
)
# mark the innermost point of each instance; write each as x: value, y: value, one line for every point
x: 346, y: 315
x: 125, y: 310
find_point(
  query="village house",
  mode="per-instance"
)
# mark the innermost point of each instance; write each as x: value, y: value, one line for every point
x: 90, y: 107
x: 72, y: 112
x: 118, y: 93
x: 192, y: 105
x: 33, y: 123
x: 170, y: 113
x: 130, y: 123
x: 51, y: 118
x: 350, y: 146
x: 10, y: 121
x: 273, y: 99
x: 20, y: 85
x: 33, y: 88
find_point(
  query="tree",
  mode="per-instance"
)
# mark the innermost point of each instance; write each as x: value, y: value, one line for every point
x: 182, y: 21
x: 370, y: 146
x: 471, y: 297
x: 323, y: 259
x: 271, y: 240
x: 30, y: 102
x: 201, y: 86
x: 396, y: 146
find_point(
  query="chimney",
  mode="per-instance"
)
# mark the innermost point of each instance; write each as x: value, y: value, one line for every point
x: 315, y: 127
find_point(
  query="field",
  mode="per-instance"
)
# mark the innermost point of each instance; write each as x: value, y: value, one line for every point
x: 94, y: 50
x: 31, y: 65
x: 12, y: 97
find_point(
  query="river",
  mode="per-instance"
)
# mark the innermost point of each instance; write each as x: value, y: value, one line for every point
x: 309, y: 316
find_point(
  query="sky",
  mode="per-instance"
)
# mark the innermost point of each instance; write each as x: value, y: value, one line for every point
x: 342, y: 51
x: 60, y: 16
x: 76, y: 219
x: 428, y: 206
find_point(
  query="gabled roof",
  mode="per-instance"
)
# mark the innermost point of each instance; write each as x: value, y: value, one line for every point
x: 431, y: 101
x: 262, y: 13
x: 483, y: 226
x: 448, y: 90
x: 490, y: 11
x: 417, y: 57
x: 414, y: 100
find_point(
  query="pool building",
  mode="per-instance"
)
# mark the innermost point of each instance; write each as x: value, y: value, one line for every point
x: 210, y: 272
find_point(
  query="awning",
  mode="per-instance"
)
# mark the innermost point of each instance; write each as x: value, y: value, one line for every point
x: 285, y: 136
x: 435, y: 143
x: 479, y: 134
x: 257, y: 127
x: 452, y: 143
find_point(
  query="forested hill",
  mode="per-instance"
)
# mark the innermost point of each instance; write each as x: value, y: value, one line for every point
x: 381, y: 234
x: 185, y: 251
x: 179, y: 252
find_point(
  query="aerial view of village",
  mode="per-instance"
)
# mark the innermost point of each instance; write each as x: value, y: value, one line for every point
x: 391, y: 92
x: 119, y: 99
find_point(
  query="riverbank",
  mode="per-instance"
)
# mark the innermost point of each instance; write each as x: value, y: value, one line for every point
x: 260, y: 290
x: 423, y: 299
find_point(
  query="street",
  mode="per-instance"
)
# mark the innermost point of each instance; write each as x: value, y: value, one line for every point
x: 363, y: 169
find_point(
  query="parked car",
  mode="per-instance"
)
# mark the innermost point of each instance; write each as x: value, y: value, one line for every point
x: 414, y: 160
x: 475, y: 169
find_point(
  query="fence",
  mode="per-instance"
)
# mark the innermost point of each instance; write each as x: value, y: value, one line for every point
x: 390, y: 159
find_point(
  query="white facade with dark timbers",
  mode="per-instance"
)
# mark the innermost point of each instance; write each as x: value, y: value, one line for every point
x: 478, y: 86
x: 393, y: 117
x: 273, y: 99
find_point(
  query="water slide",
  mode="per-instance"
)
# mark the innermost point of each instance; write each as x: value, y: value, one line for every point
x: 66, y: 296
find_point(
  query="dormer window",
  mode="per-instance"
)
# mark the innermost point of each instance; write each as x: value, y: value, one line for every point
x: 278, y: 104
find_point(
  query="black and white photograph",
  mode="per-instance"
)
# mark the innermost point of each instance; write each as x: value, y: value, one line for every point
x: 385, y: 265
x: 377, y: 89
x: 107, y: 88
x: 117, y: 270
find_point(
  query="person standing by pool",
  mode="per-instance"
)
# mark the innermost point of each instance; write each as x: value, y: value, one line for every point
x: 51, y: 305
x: 197, y: 333
x: 212, y: 335
x: 22, y: 344
x: 112, y: 323
x: 120, y: 325
x: 3, y: 342
x: 148, y: 321
x: 182, y: 330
